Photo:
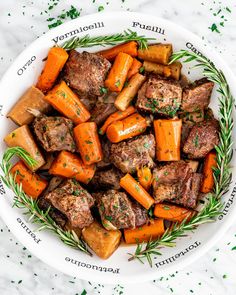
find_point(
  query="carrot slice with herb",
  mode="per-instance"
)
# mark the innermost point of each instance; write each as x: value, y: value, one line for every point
x: 63, y: 99
x: 118, y: 73
x: 136, y: 65
x: 126, y: 128
x: 145, y: 233
x: 136, y: 191
x: 145, y: 177
x: 70, y: 165
x: 130, y: 48
x: 168, y: 137
x: 128, y: 93
x: 172, y: 212
x: 56, y: 59
x: 208, y: 179
x: 32, y: 184
x: 86, y: 137
x: 115, y: 117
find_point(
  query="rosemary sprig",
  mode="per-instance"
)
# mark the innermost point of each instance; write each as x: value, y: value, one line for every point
x: 36, y: 215
x: 114, y: 39
x: 222, y: 174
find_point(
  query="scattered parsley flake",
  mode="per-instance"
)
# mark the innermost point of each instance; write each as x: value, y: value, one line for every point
x: 100, y: 8
x: 234, y: 248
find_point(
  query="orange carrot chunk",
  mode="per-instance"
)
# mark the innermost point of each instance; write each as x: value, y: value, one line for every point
x: 70, y: 165
x: 129, y: 48
x: 56, y: 59
x: 136, y: 191
x: 115, y: 117
x: 208, y: 179
x: 168, y: 137
x: 172, y: 212
x: 88, y: 142
x: 136, y: 65
x: 126, y: 128
x: 118, y: 73
x: 145, y: 177
x: 32, y: 184
x: 147, y: 232
x: 63, y: 99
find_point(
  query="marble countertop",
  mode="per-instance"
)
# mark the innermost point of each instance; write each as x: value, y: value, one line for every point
x: 20, y: 272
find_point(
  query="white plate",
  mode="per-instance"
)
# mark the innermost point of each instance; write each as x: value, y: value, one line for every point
x: 24, y: 72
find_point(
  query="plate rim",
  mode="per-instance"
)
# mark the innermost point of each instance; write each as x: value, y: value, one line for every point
x: 213, y: 240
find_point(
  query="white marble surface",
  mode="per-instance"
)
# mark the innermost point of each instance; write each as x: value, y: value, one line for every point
x: 20, y: 273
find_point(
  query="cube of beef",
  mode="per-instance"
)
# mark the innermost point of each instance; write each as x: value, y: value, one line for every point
x: 189, y: 192
x: 159, y: 95
x: 54, y: 133
x: 177, y: 183
x: 106, y: 179
x: 44, y: 204
x: 197, y: 95
x: 202, y: 138
x: 115, y: 210
x: 74, y: 201
x: 104, y: 108
x: 86, y: 72
x: 106, y: 162
x: 141, y: 216
x: 133, y: 154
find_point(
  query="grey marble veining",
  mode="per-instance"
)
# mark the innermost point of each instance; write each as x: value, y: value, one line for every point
x: 20, y: 272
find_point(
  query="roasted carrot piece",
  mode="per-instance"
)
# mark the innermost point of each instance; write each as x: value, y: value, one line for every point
x: 86, y: 137
x: 136, y: 65
x: 129, y: 48
x: 136, y: 191
x: 56, y: 59
x: 208, y: 178
x: 172, y: 212
x: 168, y: 136
x: 145, y: 177
x: 115, y: 117
x: 118, y: 73
x: 63, y: 99
x: 70, y: 165
x: 32, y: 184
x: 145, y: 233
x: 128, y: 93
x: 126, y: 128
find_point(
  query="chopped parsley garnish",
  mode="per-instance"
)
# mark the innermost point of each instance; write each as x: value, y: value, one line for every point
x: 100, y: 8
x: 196, y: 141
x: 87, y: 158
x: 141, y: 70
x: 166, y: 207
x: 146, y: 145
x: 88, y: 141
x: 117, y: 84
x: 103, y: 90
x: 137, y: 188
x: 109, y: 218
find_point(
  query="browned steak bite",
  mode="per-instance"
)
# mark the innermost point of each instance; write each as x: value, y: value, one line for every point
x: 106, y: 179
x: 159, y: 95
x: 197, y: 96
x: 202, y: 138
x: 104, y: 108
x: 141, y: 216
x: 133, y: 154
x: 115, y: 210
x: 189, y: 193
x: 86, y: 72
x: 176, y: 182
x: 74, y: 201
x: 54, y: 133
x: 105, y: 163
